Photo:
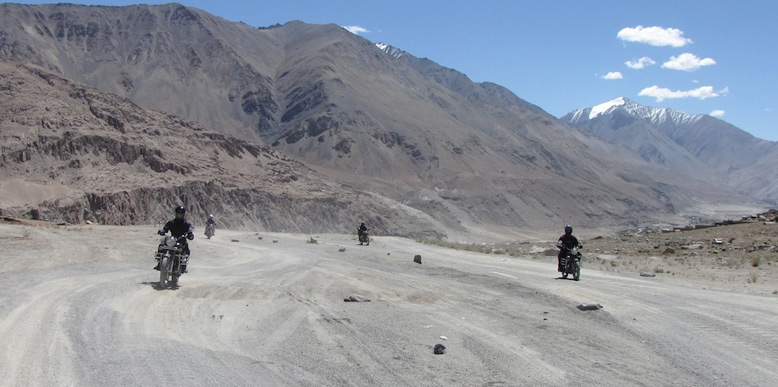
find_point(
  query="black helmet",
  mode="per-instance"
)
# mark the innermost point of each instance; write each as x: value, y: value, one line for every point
x: 568, y: 228
x: 180, y: 210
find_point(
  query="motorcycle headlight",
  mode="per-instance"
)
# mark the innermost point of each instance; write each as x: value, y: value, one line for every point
x: 170, y: 241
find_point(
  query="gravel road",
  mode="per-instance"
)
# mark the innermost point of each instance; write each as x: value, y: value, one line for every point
x: 81, y: 306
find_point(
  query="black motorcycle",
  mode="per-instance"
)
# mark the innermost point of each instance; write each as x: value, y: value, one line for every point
x: 172, y: 260
x: 364, y: 237
x: 571, y: 263
x: 210, y: 230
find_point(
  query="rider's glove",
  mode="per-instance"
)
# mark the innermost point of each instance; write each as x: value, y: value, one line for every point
x: 160, y: 232
x: 190, y: 236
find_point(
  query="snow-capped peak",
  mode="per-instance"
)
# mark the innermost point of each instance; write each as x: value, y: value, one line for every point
x: 391, y: 50
x: 604, y: 107
x: 653, y: 115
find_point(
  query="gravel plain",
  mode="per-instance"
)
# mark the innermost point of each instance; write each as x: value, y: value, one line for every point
x: 81, y: 306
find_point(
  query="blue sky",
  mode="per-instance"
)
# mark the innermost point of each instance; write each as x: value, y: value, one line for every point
x: 714, y: 57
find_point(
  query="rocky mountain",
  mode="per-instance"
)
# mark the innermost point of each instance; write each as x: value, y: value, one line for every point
x: 695, y: 144
x: 422, y: 137
x: 74, y: 153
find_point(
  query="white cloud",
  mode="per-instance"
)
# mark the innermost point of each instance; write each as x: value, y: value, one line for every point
x: 687, y: 62
x: 640, y: 63
x: 655, y: 36
x: 613, y: 75
x: 662, y: 93
x: 356, y: 30
x: 717, y: 113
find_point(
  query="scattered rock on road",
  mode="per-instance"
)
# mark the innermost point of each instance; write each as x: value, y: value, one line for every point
x: 235, y: 240
x: 417, y: 259
x: 647, y: 274
x: 589, y: 306
x: 342, y: 249
x: 439, y: 349
x: 356, y: 298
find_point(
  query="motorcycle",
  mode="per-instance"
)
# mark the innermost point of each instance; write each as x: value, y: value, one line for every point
x: 571, y: 263
x: 364, y: 237
x: 210, y: 230
x: 172, y: 260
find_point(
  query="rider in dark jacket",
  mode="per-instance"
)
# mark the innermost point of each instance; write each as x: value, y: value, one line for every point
x: 212, y: 223
x: 565, y: 243
x: 179, y: 227
x: 361, y: 229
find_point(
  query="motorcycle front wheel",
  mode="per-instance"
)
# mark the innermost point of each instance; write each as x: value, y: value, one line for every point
x: 577, y: 272
x: 175, y: 271
x: 163, y: 270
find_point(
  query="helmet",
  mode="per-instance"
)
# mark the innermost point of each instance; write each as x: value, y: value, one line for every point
x: 568, y: 228
x: 210, y: 216
x: 180, y: 210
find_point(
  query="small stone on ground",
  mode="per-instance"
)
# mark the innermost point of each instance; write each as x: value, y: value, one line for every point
x: 356, y: 298
x: 589, y: 306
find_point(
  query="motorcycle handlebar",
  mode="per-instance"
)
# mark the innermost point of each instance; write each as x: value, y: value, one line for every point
x: 178, y: 238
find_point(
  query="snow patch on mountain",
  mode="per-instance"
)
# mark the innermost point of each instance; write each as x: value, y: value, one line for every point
x: 655, y: 116
x: 604, y: 107
x: 391, y: 50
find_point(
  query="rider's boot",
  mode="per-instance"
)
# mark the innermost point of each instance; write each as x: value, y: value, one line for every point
x: 183, y: 269
x: 157, y: 267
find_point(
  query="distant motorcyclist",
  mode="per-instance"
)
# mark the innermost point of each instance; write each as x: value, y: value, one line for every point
x: 565, y: 243
x: 179, y: 227
x: 210, y: 223
x: 362, y: 234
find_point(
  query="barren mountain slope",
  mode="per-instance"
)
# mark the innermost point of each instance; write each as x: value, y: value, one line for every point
x: 77, y: 154
x: 697, y: 145
x: 469, y: 154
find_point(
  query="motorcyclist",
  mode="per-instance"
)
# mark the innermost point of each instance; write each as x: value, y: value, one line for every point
x: 361, y: 229
x: 212, y: 223
x: 179, y: 227
x: 566, y: 242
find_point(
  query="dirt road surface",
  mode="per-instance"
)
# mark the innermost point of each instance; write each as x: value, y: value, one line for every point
x: 81, y: 306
